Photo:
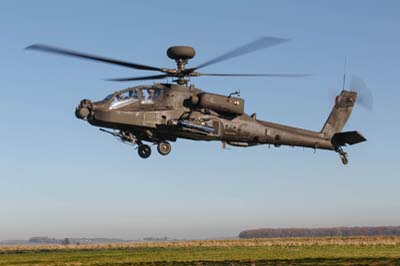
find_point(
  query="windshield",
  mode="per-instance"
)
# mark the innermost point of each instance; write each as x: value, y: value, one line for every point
x: 150, y: 95
x: 108, y: 97
x: 123, y: 99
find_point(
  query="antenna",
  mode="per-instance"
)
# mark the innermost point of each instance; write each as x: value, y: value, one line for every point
x: 344, y: 73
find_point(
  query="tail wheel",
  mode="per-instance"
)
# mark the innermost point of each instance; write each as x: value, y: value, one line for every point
x: 144, y: 151
x: 164, y: 148
x: 343, y: 155
x: 344, y: 158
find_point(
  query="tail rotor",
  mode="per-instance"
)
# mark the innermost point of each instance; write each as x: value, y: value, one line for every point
x: 365, y: 97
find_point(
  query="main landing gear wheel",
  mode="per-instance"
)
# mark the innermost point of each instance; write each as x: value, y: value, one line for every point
x: 164, y: 148
x: 144, y: 151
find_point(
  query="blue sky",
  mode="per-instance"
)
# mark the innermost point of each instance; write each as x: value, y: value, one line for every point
x: 61, y: 177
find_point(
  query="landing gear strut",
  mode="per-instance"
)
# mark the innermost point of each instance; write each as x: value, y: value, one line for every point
x: 164, y: 148
x: 144, y: 151
x: 343, y: 155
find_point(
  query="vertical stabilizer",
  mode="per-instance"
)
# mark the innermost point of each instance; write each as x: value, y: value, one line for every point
x: 340, y: 113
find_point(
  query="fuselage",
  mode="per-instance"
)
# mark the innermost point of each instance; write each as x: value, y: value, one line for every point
x: 187, y: 112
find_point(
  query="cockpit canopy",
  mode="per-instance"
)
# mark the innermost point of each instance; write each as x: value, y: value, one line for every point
x: 143, y: 95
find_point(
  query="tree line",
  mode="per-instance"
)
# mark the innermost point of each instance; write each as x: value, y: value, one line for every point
x: 321, y: 232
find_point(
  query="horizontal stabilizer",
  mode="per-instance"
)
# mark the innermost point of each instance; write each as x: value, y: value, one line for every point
x: 350, y: 137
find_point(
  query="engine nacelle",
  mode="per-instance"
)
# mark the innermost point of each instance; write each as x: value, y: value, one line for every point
x: 221, y: 103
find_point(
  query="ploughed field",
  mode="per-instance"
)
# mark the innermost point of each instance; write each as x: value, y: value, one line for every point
x: 276, y: 251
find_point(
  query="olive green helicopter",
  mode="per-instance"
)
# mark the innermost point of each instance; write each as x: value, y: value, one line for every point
x: 163, y: 112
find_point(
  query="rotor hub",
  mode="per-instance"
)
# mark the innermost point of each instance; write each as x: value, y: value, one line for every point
x: 181, y: 55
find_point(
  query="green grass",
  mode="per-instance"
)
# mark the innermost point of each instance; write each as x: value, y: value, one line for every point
x: 376, y: 254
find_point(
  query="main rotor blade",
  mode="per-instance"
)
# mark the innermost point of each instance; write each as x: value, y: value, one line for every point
x: 253, y: 46
x: 253, y: 75
x: 62, y: 51
x: 140, y: 78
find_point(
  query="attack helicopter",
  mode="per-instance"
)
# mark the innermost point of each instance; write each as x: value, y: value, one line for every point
x: 163, y: 112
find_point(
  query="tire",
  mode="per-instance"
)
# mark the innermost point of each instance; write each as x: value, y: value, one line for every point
x: 144, y: 151
x: 164, y: 148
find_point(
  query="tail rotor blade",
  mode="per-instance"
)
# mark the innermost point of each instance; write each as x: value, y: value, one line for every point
x: 365, y: 97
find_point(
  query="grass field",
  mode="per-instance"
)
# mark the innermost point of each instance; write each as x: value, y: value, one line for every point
x: 299, y: 251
